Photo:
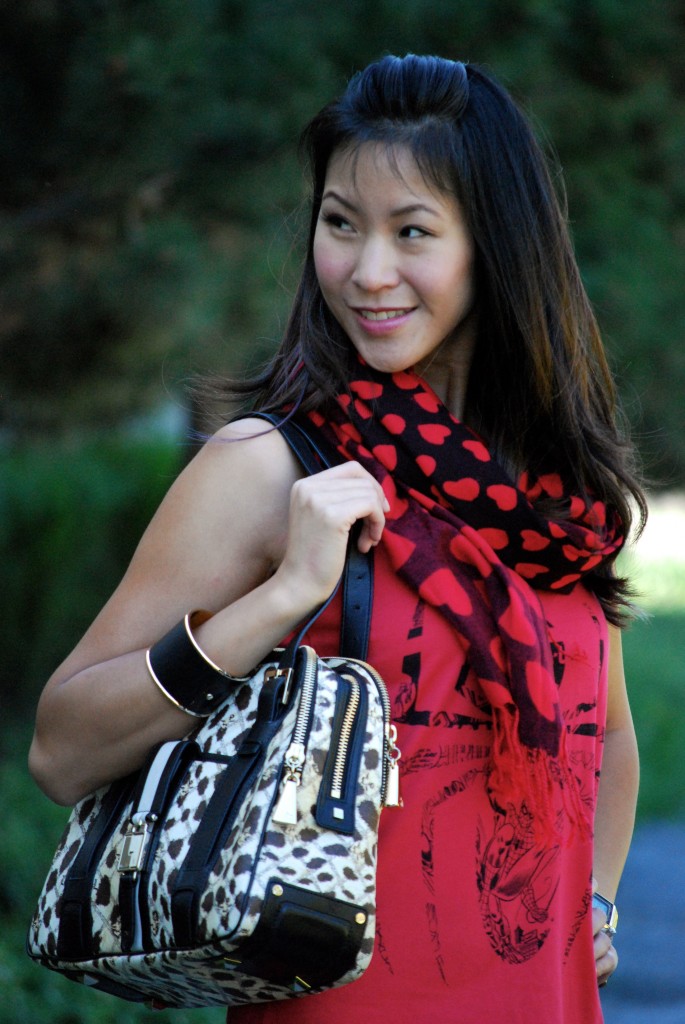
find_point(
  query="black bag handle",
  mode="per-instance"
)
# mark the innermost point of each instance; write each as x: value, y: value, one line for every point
x: 357, y: 577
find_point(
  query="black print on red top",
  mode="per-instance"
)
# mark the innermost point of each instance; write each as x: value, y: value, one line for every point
x: 439, y: 803
x: 517, y: 882
x: 517, y: 877
x: 445, y: 754
x: 406, y: 703
x: 406, y: 710
x: 558, y: 658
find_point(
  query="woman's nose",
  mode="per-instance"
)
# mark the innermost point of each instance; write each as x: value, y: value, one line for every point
x: 376, y: 266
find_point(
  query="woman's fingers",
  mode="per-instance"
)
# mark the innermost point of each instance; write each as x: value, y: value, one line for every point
x: 342, y: 495
x: 323, y: 510
x: 606, y: 957
x: 336, y: 505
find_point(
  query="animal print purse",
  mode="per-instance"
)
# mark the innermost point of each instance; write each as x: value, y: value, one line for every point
x: 239, y: 865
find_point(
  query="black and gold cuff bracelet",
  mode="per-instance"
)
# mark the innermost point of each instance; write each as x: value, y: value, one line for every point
x: 184, y: 673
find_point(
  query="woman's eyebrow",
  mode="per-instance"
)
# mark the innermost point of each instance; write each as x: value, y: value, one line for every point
x: 331, y: 194
x: 400, y: 211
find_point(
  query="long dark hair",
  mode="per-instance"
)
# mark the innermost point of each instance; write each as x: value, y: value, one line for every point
x: 539, y: 390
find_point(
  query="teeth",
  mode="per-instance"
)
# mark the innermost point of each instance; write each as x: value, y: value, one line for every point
x: 381, y: 314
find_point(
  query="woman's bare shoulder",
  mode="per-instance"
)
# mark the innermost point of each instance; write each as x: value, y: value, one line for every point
x: 228, y: 509
x: 252, y: 452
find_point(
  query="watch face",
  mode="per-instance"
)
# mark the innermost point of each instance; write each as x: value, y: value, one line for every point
x: 602, y: 903
x: 609, y: 910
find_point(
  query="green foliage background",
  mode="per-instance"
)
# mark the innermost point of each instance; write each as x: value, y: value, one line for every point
x: 150, y: 186
x: 149, y: 230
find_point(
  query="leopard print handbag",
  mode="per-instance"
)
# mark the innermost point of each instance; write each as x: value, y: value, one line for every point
x: 239, y: 865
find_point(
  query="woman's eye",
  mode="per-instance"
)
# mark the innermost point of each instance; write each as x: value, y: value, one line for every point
x: 412, y: 231
x: 336, y: 221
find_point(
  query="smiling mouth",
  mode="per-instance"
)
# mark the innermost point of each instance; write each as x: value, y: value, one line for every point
x: 382, y: 314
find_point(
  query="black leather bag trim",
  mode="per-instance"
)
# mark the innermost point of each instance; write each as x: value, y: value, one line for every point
x: 302, y: 939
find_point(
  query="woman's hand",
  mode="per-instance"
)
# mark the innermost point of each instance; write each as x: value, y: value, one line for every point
x: 323, y: 510
x: 606, y: 957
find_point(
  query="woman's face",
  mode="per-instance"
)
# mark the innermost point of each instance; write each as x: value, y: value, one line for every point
x: 394, y: 259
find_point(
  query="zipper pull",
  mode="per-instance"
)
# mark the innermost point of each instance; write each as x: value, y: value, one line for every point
x: 285, y: 812
x: 286, y: 808
x: 392, y: 755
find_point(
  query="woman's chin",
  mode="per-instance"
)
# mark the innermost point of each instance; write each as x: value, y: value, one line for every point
x: 384, y: 361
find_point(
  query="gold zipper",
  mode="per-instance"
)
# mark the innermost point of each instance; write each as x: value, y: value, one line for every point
x: 390, y: 786
x: 391, y: 797
x: 338, y: 774
x: 285, y: 812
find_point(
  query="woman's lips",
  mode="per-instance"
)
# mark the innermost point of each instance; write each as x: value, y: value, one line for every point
x: 382, y: 321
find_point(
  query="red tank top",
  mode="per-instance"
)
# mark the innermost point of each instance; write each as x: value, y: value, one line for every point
x: 476, y: 923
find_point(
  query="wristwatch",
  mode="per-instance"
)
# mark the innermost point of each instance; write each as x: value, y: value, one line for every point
x: 608, y: 908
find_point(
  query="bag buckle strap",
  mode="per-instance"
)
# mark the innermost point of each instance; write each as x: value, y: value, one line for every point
x: 284, y: 673
x: 133, y: 850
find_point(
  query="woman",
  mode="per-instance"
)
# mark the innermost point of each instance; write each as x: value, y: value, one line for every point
x: 442, y: 343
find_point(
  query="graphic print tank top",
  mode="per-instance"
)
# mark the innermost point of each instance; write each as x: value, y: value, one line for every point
x: 476, y: 923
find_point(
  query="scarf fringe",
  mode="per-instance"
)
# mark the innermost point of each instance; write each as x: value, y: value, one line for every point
x: 536, y: 784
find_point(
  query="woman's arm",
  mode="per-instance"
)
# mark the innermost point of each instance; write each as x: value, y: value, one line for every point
x: 617, y: 799
x: 240, y: 534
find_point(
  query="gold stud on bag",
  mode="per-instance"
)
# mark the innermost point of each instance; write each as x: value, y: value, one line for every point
x: 240, y: 864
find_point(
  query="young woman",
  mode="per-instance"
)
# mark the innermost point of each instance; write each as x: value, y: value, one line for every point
x: 442, y: 345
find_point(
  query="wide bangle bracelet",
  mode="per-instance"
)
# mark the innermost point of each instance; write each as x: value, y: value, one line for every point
x: 184, y: 673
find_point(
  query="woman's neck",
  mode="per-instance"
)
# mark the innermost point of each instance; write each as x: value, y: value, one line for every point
x: 447, y: 369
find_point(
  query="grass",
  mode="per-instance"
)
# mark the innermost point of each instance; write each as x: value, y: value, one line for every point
x: 653, y: 654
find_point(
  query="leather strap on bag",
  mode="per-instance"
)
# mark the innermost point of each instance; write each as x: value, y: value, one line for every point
x: 357, y: 578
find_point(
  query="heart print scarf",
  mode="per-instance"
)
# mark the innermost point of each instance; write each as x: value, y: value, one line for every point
x: 471, y: 543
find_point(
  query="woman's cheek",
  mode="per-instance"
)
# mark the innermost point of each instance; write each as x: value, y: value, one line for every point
x: 332, y: 266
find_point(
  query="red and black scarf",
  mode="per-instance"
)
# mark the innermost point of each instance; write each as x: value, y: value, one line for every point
x: 471, y: 543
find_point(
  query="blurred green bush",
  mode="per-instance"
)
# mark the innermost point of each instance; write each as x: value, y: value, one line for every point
x: 71, y: 514
x: 653, y: 656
